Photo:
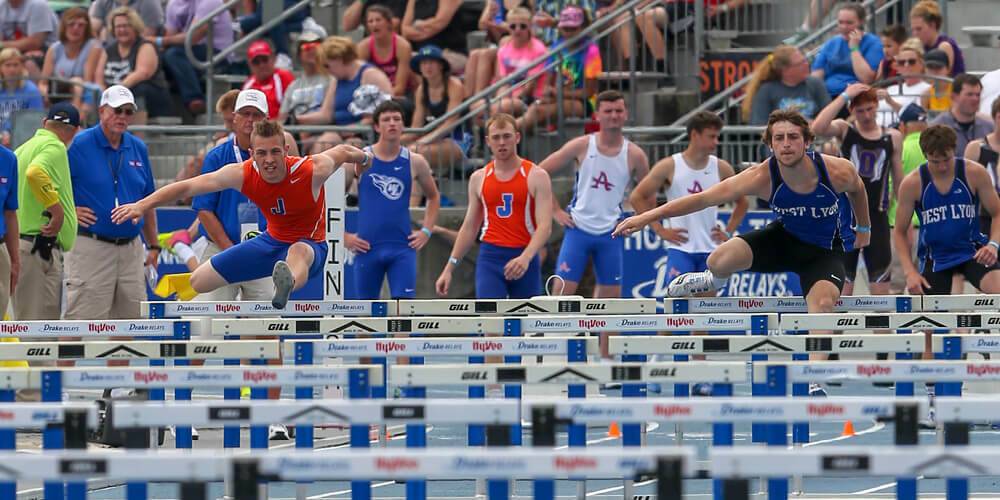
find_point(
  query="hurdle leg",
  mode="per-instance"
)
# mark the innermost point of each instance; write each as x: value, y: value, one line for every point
x: 956, y: 434
x: 722, y: 435
x: 577, y: 433
x: 477, y: 432
x: 359, y: 388
x: 632, y: 432
x: 52, y: 437
x: 304, y: 434
x: 8, y: 441
x: 416, y: 437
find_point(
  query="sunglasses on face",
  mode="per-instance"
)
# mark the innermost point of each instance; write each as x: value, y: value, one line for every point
x: 907, y: 62
x: 519, y: 26
x: 126, y: 111
x: 259, y: 60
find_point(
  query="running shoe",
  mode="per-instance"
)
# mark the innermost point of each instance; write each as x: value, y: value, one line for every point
x: 689, y: 284
x: 283, y: 281
x: 702, y: 389
x: 278, y: 432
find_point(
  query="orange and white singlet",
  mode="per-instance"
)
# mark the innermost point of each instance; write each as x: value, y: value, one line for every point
x: 509, y: 208
x: 291, y: 211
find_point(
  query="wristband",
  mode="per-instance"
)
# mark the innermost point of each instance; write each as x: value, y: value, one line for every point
x: 159, y: 42
x: 862, y: 229
x: 846, y: 97
x: 453, y: 261
x: 994, y: 244
x: 426, y: 231
x: 854, y: 49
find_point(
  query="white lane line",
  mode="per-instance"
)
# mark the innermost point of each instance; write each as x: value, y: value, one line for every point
x: 616, y: 488
x: 879, y: 488
x: 875, y: 428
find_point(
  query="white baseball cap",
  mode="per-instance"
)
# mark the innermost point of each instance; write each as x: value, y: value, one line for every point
x: 117, y: 96
x: 252, y: 97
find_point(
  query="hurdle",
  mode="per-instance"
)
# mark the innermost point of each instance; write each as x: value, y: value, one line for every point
x: 363, y: 308
x: 181, y: 349
x: 972, y: 302
x: 873, y: 303
x: 169, y: 328
x: 852, y: 461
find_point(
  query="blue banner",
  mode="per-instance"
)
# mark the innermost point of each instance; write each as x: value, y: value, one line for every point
x: 646, y: 271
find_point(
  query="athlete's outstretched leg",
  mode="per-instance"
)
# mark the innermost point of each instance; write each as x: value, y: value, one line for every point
x: 205, y: 278
x: 292, y: 273
x: 821, y: 298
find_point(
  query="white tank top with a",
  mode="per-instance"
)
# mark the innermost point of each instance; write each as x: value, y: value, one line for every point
x: 600, y: 188
x: 699, y: 225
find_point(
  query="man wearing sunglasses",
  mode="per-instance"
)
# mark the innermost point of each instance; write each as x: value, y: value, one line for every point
x: 109, y: 167
x: 267, y: 78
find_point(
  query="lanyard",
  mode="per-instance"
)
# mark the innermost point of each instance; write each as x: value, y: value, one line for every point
x: 237, y: 152
x: 116, y: 171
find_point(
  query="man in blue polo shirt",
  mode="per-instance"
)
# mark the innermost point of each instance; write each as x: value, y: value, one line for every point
x: 10, y: 260
x: 227, y: 215
x: 109, y: 167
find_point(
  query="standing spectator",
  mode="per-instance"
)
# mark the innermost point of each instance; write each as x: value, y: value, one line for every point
x: 10, y: 261
x: 181, y: 16
x: 350, y: 74
x: 47, y: 214
x: 357, y: 13
x: 74, y: 57
x: 782, y: 81
x: 29, y: 26
x: 851, y: 56
x: 925, y: 23
x: 580, y: 66
x: 963, y: 115
x: 937, y: 99
x: 131, y: 61
x: 518, y: 53
x: 432, y: 22
x: 265, y: 77
x: 893, y: 99
x: 150, y: 11
x: 387, y: 50
x: 278, y: 34
x: 18, y: 92
x: 226, y: 216
x: 109, y: 167
x: 439, y: 92
x: 305, y: 94
x: 892, y: 38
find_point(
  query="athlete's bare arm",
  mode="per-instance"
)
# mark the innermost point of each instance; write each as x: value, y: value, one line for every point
x: 741, y: 205
x: 467, y: 233
x: 227, y: 177
x: 897, y: 161
x: 755, y: 180
x: 638, y: 162
x: 540, y: 188
x: 424, y: 178
x: 826, y: 123
x: 981, y: 183
x: 572, y: 151
x: 327, y: 162
x: 643, y: 197
x: 845, y: 179
x: 909, y: 191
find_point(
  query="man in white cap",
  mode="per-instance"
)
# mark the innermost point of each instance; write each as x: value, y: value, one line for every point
x: 109, y: 167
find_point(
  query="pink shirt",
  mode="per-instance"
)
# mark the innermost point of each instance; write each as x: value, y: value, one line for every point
x: 511, y: 59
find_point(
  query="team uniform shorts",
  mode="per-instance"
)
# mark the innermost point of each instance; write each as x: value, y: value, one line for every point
x: 775, y: 250
x: 397, y: 261
x: 490, y: 282
x: 940, y: 281
x: 578, y: 246
x: 255, y: 258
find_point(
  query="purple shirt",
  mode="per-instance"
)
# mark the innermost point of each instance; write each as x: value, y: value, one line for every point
x: 181, y: 14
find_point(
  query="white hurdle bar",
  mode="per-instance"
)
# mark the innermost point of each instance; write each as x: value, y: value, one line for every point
x: 893, y: 321
x: 168, y: 349
x: 774, y: 344
x: 41, y: 415
x: 171, y: 328
x: 874, y: 303
x: 881, y: 371
x: 398, y: 347
x: 363, y: 308
x: 566, y: 373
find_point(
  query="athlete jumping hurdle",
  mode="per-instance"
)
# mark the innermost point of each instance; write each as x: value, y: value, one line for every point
x: 294, y: 246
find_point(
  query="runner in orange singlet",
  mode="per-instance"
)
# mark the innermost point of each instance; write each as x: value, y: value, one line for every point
x: 511, y: 199
x: 289, y: 191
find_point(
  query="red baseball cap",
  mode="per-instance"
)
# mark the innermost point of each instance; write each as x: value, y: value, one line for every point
x: 259, y: 48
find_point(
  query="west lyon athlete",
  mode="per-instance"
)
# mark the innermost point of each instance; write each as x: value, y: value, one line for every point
x: 289, y: 189
x: 607, y: 163
x: 946, y: 193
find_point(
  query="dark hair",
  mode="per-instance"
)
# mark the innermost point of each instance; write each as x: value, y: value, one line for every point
x: 793, y: 117
x: 895, y: 32
x: 856, y: 8
x: 938, y: 139
x: 268, y: 128
x: 995, y: 108
x: 703, y: 120
x: 869, y: 96
x: 389, y: 106
x: 962, y: 80
x: 380, y: 9
x: 609, y: 96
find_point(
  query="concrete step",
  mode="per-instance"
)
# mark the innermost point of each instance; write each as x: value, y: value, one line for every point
x: 981, y: 58
x: 962, y: 13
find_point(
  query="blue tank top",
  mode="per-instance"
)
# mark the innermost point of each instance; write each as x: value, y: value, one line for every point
x: 949, y: 222
x: 847, y: 223
x: 814, y: 217
x: 344, y: 95
x: 384, y: 200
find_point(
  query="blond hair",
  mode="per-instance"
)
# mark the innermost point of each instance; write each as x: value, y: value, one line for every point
x: 768, y: 70
x: 268, y: 128
x: 929, y: 11
x: 518, y: 12
x: 133, y: 19
x: 913, y: 44
x: 501, y: 119
x: 227, y: 102
x: 6, y: 55
x: 339, y: 48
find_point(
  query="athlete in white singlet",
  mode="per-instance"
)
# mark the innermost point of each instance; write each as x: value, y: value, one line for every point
x: 606, y: 162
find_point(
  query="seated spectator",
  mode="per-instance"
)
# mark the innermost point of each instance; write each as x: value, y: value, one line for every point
x: 894, y: 98
x: 925, y: 23
x: 350, y: 74
x: 580, y: 66
x: 278, y: 34
x: 652, y: 23
x: 432, y: 22
x: 150, y: 11
x: 850, y: 56
x: 937, y: 99
x: 893, y: 38
x: 131, y: 61
x: 517, y: 53
x: 265, y: 77
x: 357, y: 14
x: 29, y: 26
x: 181, y: 16
x: 74, y: 57
x: 782, y: 81
x: 963, y: 115
x: 480, y: 69
x: 18, y: 92
x: 305, y: 94
x: 547, y: 14
x: 986, y: 151
x: 387, y: 50
x: 438, y: 93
